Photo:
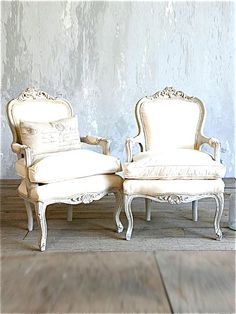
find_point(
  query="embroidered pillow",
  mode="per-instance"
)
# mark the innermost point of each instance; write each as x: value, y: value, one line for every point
x: 45, y: 137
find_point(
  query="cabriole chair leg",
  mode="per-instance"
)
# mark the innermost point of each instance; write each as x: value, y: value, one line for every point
x: 29, y: 215
x: 40, y: 209
x: 218, y: 214
x: 119, y: 205
x: 148, y: 204
x: 128, y: 212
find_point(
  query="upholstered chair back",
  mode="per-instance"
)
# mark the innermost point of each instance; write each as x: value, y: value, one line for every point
x: 169, y: 119
x: 37, y: 106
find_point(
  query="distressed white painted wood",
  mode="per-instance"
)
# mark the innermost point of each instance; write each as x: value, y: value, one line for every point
x: 175, y: 199
x: 145, y: 140
x: 219, y: 210
x: 40, y: 209
x: 29, y: 105
x: 119, y: 206
x: 29, y: 215
x: 129, y: 216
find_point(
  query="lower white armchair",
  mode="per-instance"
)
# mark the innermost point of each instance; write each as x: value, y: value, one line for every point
x: 171, y: 167
x: 53, y: 166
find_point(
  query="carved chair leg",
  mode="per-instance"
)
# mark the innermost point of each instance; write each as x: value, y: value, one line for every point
x: 128, y: 212
x: 70, y: 213
x: 195, y: 210
x: 148, y: 204
x: 29, y: 215
x: 40, y: 209
x: 119, y: 205
x: 218, y: 214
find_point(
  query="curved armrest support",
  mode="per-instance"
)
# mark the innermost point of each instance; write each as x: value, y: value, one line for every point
x: 24, y: 150
x: 95, y: 140
x: 27, y: 153
x: 213, y: 142
x: 130, y: 142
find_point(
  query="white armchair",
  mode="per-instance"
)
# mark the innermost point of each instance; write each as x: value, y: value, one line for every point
x: 171, y: 167
x: 53, y: 166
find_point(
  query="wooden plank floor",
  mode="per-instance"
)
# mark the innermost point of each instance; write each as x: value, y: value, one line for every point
x: 82, y: 283
x: 199, y: 282
x: 171, y: 228
x: 88, y: 268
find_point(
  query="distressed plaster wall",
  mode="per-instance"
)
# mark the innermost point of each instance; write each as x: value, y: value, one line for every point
x: 104, y: 56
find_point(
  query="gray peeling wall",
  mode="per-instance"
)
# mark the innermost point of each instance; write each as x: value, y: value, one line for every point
x: 104, y: 56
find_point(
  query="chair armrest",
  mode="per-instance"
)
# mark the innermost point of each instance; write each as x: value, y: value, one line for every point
x: 213, y: 142
x: 24, y: 150
x: 130, y: 142
x: 95, y: 140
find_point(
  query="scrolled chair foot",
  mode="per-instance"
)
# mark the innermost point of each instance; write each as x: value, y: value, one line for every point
x: 128, y: 236
x: 120, y: 228
x: 42, y: 247
x: 219, y: 235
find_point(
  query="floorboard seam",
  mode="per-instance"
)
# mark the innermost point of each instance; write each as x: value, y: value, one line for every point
x: 163, y: 283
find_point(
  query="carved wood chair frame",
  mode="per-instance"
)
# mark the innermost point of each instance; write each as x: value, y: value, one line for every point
x: 200, y: 139
x: 23, y: 151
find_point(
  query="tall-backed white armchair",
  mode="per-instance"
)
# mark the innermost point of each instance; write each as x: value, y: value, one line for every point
x: 51, y: 162
x: 171, y: 166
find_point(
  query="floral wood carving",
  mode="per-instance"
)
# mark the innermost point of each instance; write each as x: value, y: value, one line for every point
x: 173, y: 199
x: 33, y: 93
x: 170, y: 92
x: 87, y: 198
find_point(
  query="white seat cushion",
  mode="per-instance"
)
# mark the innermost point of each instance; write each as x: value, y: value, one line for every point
x: 72, y: 188
x: 67, y: 165
x: 175, y: 164
x: 173, y: 187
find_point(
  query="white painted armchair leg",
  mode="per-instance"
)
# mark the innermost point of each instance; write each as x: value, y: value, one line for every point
x: 195, y: 210
x: 128, y: 212
x: 119, y: 205
x: 148, y: 204
x: 219, y: 211
x: 29, y: 215
x: 70, y: 213
x: 40, y: 209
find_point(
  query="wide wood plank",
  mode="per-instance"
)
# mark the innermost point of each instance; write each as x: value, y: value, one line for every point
x: 199, y: 282
x: 75, y: 283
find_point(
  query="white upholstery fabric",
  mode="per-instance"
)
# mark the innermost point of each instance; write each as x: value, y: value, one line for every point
x: 169, y: 122
x: 45, y: 137
x: 188, y: 187
x: 71, y: 188
x: 40, y: 110
x: 174, y: 164
x: 68, y: 165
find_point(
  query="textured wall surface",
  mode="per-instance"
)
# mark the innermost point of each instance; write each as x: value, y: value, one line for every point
x: 104, y: 56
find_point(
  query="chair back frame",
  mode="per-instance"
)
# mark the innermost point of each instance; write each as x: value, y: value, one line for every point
x: 168, y: 93
x: 31, y: 100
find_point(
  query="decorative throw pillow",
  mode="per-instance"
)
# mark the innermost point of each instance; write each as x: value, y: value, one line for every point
x: 46, y: 137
